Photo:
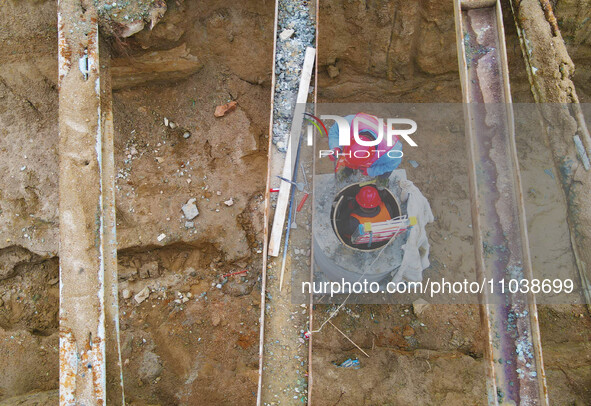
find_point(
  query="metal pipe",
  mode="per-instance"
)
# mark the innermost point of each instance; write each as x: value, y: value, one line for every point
x: 514, y: 352
x: 86, y: 212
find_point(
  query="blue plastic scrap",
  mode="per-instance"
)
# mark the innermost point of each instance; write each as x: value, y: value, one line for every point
x: 350, y: 363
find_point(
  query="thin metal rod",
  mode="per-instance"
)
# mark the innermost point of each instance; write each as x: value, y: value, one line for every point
x: 291, y: 210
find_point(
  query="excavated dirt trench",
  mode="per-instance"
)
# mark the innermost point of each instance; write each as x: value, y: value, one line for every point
x: 194, y: 340
x: 435, y: 355
x: 204, y: 350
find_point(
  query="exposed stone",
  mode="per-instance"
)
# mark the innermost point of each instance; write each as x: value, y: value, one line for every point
x: 125, y: 18
x: 125, y: 273
x: 286, y: 34
x: 150, y: 368
x: 10, y: 258
x: 333, y: 71
x: 173, y: 64
x: 142, y: 295
x: 419, y: 306
x: 190, y: 209
x: 222, y: 110
x: 126, y: 294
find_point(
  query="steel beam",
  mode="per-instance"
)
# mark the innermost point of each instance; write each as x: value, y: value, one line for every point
x: 514, y: 353
x: 88, y: 259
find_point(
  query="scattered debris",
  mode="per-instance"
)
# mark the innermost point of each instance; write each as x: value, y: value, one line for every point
x: 220, y: 111
x: 186, y: 134
x: 229, y: 202
x: 161, y: 237
x: 286, y: 34
x: 126, y: 294
x: 413, y: 163
x: 189, y: 224
x: 234, y: 273
x: 289, y: 59
x: 190, y: 209
x: 142, y: 295
x: 350, y: 363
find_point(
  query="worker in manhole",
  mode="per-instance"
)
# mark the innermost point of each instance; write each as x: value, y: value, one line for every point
x: 368, y: 207
x: 374, y: 161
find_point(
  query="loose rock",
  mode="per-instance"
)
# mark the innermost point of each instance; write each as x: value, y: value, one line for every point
x: 333, y: 71
x: 229, y: 202
x: 419, y: 306
x: 142, y: 295
x: 221, y: 111
x: 286, y: 34
x: 190, y: 209
x: 126, y: 294
x: 150, y: 368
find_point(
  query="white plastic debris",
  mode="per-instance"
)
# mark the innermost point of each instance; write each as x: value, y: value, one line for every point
x: 161, y: 237
x: 229, y: 202
x: 416, y: 249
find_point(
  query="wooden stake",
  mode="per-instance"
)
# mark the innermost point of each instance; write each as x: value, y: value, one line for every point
x: 296, y: 129
x: 351, y: 341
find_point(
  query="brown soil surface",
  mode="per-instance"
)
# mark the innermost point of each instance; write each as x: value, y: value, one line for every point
x: 195, y: 339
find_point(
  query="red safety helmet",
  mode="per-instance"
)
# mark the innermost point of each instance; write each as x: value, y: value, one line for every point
x: 368, y: 197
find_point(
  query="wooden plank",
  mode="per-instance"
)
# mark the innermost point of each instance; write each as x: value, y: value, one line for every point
x: 296, y: 129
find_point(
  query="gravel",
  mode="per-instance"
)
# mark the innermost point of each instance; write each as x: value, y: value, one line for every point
x: 289, y: 58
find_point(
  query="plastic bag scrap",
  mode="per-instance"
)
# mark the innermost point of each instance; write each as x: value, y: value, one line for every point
x: 416, y: 250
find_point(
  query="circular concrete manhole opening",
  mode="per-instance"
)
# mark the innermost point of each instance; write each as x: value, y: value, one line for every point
x: 344, y: 204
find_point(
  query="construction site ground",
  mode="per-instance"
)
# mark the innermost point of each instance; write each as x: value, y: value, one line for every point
x: 195, y: 338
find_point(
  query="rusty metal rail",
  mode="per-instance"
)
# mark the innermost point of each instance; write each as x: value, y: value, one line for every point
x: 89, y: 329
x: 514, y: 353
